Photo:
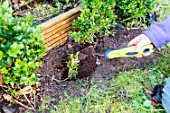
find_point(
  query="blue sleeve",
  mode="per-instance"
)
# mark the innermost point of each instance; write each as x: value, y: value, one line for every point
x: 159, y: 33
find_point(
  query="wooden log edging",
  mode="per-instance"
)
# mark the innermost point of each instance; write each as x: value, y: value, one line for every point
x: 50, y: 40
x: 56, y: 30
x: 59, y: 26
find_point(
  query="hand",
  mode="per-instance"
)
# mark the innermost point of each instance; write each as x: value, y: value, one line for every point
x: 139, y: 42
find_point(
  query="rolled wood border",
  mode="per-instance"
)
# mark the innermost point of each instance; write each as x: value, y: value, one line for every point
x: 53, y: 37
x: 58, y: 38
x: 61, y: 17
x: 59, y: 26
x: 56, y: 30
x: 58, y: 43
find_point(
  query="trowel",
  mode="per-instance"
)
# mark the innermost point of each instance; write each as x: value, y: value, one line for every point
x: 126, y: 52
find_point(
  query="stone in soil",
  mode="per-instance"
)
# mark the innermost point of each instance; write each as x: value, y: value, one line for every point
x: 9, y: 108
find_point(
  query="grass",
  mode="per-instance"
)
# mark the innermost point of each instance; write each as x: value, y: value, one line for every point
x: 162, y: 7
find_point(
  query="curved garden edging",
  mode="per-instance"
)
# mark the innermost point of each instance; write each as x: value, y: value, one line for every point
x: 56, y: 30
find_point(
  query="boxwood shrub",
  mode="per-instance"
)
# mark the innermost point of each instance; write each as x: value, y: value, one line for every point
x: 96, y: 17
x: 21, y: 48
x: 133, y: 13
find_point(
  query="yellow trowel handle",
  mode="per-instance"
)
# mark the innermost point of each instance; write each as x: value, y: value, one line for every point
x: 127, y: 52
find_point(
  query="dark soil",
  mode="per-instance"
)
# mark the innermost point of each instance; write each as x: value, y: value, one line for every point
x: 55, y: 60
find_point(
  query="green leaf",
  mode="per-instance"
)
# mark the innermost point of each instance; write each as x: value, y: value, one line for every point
x: 147, y: 103
x: 4, y: 71
x: 5, y: 4
x: 1, y: 55
x: 29, y: 0
x: 24, y: 78
x: 47, y: 99
x: 19, y: 37
x: 15, y: 49
x: 67, y: 1
x: 135, y: 103
x: 42, y: 108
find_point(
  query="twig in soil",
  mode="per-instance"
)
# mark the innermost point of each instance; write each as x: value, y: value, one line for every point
x: 3, y: 86
x: 34, y: 102
x: 95, y: 43
x: 24, y: 91
x: 59, y: 81
x: 30, y: 108
x: 9, y: 98
x: 10, y: 3
x: 28, y: 101
x: 136, y: 63
x: 135, y: 27
x: 159, y: 53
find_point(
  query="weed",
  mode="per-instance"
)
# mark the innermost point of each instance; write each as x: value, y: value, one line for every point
x: 65, y: 4
x: 72, y: 65
x: 58, y: 4
x: 45, y: 107
x: 40, y: 11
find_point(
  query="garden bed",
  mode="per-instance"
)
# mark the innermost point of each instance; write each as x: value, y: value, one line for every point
x: 54, y: 62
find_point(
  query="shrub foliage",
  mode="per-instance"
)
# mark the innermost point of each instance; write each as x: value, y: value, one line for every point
x: 96, y: 17
x: 99, y: 15
x: 21, y: 48
x: 133, y: 13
